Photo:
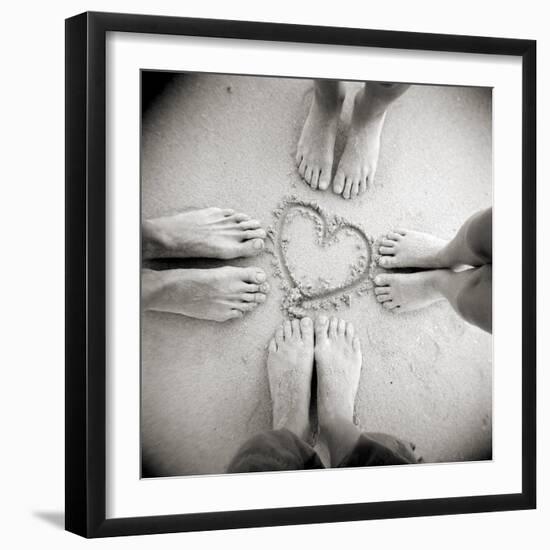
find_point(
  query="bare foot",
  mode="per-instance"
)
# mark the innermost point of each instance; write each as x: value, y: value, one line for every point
x: 289, y: 368
x: 205, y: 233
x: 316, y: 146
x: 406, y: 248
x: 409, y: 291
x: 338, y: 359
x: 216, y: 294
x: 359, y: 160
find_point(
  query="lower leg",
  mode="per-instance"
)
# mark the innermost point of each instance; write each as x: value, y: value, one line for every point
x: 472, y: 245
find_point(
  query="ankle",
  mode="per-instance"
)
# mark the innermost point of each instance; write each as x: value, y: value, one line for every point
x: 328, y: 100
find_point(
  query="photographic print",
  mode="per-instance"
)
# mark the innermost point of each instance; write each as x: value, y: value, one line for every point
x: 316, y: 286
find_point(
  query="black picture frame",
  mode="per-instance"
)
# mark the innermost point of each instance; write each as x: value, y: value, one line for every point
x: 86, y: 273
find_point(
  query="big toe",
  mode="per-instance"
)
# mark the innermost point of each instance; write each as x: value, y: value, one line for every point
x: 306, y: 327
x: 251, y: 247
x: 382, y: 280
x: 387, y: 261
x: 339, y: 181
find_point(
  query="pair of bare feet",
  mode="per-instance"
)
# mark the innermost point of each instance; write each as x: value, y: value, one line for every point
x: 217, y: 294
x: 404, y: 248
x: 336, y: 352
x: 357, y: 166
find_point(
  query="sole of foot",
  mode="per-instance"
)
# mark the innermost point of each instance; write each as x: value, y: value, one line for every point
x: 403, y: 292
x: 290, y: 368
x: 218, y: 294
x: 403, y: 248
x: 315, y: 150
x: 338, y: 360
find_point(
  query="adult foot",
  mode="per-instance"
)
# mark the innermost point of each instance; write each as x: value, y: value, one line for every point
x: 289, y: 368
x: 406, y: 248
x: 410, y: 291
x: 217, y: 294
x: 357, y: 166
x: 316, y: 146
x: 338, y: 359
x: 205, y: 233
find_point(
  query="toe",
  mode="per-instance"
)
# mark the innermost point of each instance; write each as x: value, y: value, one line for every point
x: 264, y: 288
x: 314, y: 179
x: 307, y: 175
x: 347, y: 188
x: 339, y: 181
x: 383, y: 298
x: 227, y: 212
x: 394, y: 236
x: 382, y: 280
x: 350, y: 331
x: 390, y: 304
x: 259, y: 298
x: 386, y: 250
x: 254, y: 234
x: 250, y: 224
x: 240, y: 218
x: 298, y: 157
x: 302, y: 168
x: 251, y: 247
x: 235, y: 314
x: 333, y: 327
x: 387, y: 261
x: 287, y: 329
x: 401, y: 232
x: 253, y: 274
x: 387, y: 242
x: 296, y: 328
x: 324, y: 179
x: 321, y: 326
x: 279, y: 335
x: 306, y: 328
x: 356, y: 343
x: 272, y: 346
x: 382, y: 290
x: 362, y: 185
x: 341, y: 327
x: 355, y: 189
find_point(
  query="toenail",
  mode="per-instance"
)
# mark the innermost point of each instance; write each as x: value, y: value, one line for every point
x: 264, y: 288
x: 306, y: 321
x: 260, y: 297
x: 260, y: 276
x: 258, y: 243
x: 378, y: 280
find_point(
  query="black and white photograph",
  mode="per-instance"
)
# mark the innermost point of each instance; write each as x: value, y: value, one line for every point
x: 316, y: 274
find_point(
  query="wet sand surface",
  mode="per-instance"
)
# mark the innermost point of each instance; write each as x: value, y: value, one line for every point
x: 229, y: 141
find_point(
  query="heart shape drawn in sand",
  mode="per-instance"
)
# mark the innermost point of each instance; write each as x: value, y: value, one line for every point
x: 352, y: 268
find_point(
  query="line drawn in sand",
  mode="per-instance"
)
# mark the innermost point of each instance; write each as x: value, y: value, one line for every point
x: 304, y: 294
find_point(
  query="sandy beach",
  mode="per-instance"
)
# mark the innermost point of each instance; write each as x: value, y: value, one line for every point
x: 230, y: 141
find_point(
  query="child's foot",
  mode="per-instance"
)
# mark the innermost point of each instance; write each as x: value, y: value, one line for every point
x: 409, y: 291
x: 406, y: 248
x: 338, y: 359
x: 289, y: 368
x: 206, y: 233
x: 316, y: 146
x: 217, y: 294
x: 359, y: 160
